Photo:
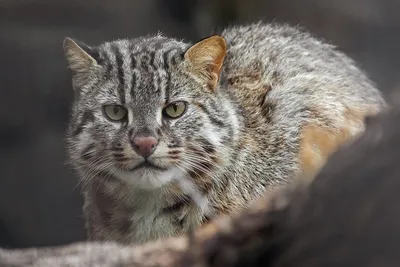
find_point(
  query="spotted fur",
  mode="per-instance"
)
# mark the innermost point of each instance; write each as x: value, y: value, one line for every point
x: 275, y: 104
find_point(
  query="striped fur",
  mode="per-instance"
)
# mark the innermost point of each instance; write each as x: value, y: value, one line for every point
x: 233, y: 144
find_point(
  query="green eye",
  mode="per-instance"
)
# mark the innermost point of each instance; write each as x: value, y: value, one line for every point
x: 175, y: 109
x: 115, y: 112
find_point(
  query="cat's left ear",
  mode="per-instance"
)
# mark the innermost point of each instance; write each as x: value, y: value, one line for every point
x: 206, y: 58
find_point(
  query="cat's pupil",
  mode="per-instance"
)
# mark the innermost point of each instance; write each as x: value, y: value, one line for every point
x: 116, y: 109
x: 175, y: 107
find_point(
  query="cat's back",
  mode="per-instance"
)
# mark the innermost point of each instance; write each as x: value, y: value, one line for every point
x: 297, y: 90
x: 275, y: 54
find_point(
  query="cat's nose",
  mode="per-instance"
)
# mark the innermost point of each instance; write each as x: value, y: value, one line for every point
x: 144, y: 145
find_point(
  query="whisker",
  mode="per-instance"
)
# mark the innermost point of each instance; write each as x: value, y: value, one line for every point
x: 97, y: 172
x: 102, y: 181
x: 194, y: 168
x: 90, y: 167
x: 189, y: 168
x: 194, y: 165
x: 201, y: 160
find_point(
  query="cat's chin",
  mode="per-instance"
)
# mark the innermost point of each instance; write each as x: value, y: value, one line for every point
x: 149, y: 177
x: 147, y: 165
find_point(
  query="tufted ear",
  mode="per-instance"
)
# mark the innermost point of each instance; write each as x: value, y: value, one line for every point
x: 206, y: 58
x: 80, y: 56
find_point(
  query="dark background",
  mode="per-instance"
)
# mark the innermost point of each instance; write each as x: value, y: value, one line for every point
x: 39, y: 202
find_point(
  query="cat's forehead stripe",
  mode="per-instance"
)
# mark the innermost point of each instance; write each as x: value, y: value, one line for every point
x: 120, y: 71
x: 134, y: 83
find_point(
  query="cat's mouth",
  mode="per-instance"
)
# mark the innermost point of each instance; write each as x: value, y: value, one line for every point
x: 148, y: 165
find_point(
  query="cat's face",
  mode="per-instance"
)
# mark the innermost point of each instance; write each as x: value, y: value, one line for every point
x: 147, y: 110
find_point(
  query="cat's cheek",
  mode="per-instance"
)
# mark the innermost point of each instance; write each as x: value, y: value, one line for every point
x: 211, y: 133
x: 111, y: 132
x: 83, y: 141
x: 214, y: 138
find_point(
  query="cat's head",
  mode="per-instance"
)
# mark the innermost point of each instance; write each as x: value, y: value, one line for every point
x: 149, y: 110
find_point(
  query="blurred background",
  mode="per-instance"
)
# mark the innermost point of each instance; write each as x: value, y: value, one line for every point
x: 39, y: 202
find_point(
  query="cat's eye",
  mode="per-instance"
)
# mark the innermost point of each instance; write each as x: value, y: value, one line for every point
x: 175, y: 109
x: 115, y: 112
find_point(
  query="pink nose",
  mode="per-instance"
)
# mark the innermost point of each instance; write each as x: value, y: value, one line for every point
x: 144, y: 146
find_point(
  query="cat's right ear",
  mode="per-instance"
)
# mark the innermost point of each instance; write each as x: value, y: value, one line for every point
x: 80, y: 57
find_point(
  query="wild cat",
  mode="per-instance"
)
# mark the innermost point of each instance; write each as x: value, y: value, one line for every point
x: 165, y: 135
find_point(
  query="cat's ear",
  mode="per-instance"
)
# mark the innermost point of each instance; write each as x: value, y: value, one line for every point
x: 206, y: 58
x: 80, y: 57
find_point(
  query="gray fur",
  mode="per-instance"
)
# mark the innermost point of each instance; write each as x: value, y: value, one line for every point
x: 232, y: 145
